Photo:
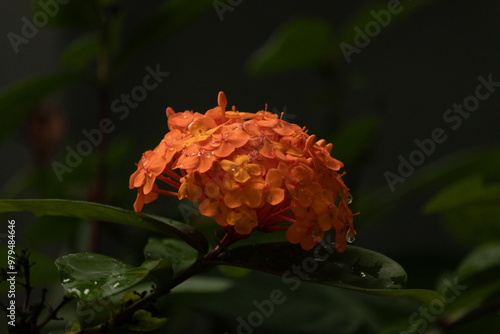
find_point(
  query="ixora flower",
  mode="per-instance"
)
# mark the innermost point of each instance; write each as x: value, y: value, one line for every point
x: 251, y: 172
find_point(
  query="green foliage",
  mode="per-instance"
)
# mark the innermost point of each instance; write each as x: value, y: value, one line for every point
x: 181, y: 255
x: 355, y: 269
x: 89, y: 276
x: 107, y: 213
x: 301, y: 43
x: 81, y: 53
x: 143, y: 321
x: 469, y: 202
x: 178, y: 268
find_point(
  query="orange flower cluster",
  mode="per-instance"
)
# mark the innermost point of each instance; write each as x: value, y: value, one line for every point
x: 250, y: 171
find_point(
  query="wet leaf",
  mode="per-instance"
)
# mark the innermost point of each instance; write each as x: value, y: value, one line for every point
x: 356, y: 268
x: 180, y: 254
x: 301, y: 43
x: 107, y: 213
x: 89, y: 276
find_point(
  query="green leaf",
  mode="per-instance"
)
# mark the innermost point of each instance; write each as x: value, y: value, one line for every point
x: 431, y: 176
x: 476, y: 285
x: 466, y: 192
x: 356, y: 268
x: 469, y: 205
x: 20, y: 99
x: 301, y: 43
x: 364, y: 15
x: 107, y: 213
x: 483, y: 258
x: 203, y: 284
x: 89, y: 276
x: 354, y: 139
x: 180, y: 254
x: 42, y: 273
x: 81, y: 52
x: 143, y: 321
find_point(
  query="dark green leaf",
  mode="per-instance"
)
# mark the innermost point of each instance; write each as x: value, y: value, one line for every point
x: 301, y: 43
x: 42, y: 273
x: 475, y: 287
x: 481, y: 259
x: 469, y: 205
x: 365, y: 14
x: 356, y: 268
x: 203, y: 284
x: 466, y: 192
x: 430, y: 176
x: 143, y: 321
x: 89, y: 276
x: 81, y: 52
x: 107, y: 213
x: 180, y: 254
x: 20, y: 99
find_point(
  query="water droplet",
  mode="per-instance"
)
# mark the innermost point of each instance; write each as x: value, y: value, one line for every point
x: 349, y: 199
x: 86, y: 291
x: 350, y: 236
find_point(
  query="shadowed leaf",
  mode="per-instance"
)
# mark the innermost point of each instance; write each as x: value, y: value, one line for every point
x: 356, y: 268
x: 301, y: 43
x: 107, y: 213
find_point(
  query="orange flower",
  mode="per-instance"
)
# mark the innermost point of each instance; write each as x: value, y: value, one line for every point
x: 149, y: 167
x: 243, y: 219
x: 225, y: 142
x: 249, y: 171
x: 240, y: 168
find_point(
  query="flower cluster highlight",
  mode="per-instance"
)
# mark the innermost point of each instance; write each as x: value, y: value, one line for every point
x: 250, y: 172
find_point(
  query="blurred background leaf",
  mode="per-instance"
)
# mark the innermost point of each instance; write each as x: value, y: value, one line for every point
x: 300, y: 43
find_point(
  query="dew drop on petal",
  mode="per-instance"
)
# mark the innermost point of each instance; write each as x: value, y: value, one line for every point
x: 350, y: 236
x: 349, y: 199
